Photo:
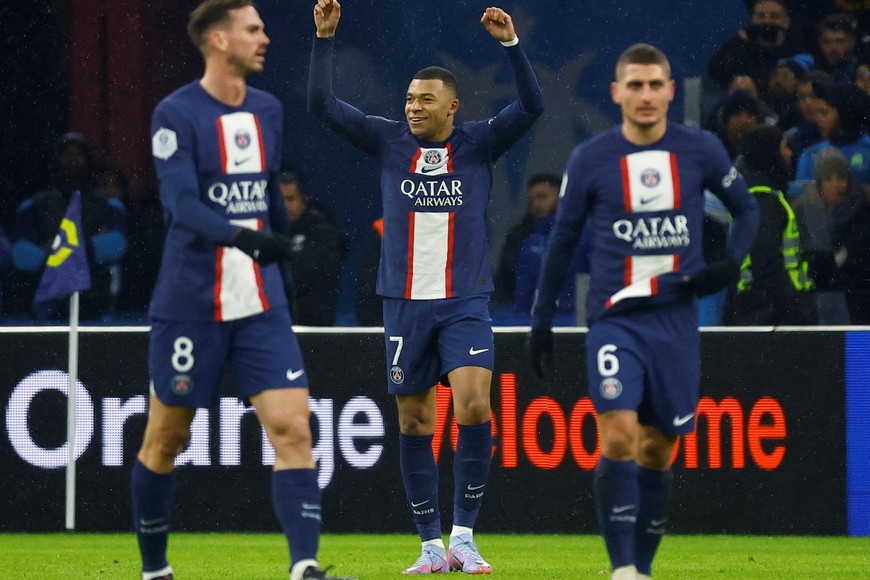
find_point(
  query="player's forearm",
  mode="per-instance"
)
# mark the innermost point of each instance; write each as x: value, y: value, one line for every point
x: 529, y: 92
x: 743, y: 229
x: 320, y: 76
x: 559, y: 250
x: 189, y: 213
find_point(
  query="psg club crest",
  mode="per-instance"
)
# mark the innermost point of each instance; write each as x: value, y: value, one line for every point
x: 182, y: 385
x: 650, y: 177
x: 243, y: 139
x: 432, y: 157
x: 610, y: 388
x: 397, y: 375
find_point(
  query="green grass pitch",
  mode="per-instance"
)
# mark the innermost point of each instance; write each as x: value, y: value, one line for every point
x: 263, y: 556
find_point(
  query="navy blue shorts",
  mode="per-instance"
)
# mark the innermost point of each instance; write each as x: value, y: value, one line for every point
x: 650, y: 362
x: 426, y: 339
x: 186, y: 358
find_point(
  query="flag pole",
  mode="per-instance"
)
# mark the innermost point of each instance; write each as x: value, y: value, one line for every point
x: 71, y: 411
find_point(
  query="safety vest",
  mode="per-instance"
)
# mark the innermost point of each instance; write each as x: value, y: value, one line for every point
x: 795, y: 267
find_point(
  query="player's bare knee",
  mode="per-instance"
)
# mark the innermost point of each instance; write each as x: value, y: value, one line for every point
x: 474, y: 412
x: 416, y: 424
x: 293, y: 432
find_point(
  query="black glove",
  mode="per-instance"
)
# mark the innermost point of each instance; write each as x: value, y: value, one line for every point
x: 715, y: 277
x: 263, y: 247
x: 541, y: 349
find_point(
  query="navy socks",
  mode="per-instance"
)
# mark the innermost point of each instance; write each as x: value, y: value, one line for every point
x: 616, y: 500
x: 296, y: 500
x: 420, y: 476
x: 655, y: 491
x: 153, y: 495
x: 470, y: 472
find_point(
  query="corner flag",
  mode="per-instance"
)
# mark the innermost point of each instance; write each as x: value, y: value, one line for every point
x: 66, y: 269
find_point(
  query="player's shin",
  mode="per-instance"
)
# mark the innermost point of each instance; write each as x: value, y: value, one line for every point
x: 655, y: 491
x: 470, y: 472
x: 616, y: 502
x: 153, y: 495
x: 296, y: 500
x: 420, y: 476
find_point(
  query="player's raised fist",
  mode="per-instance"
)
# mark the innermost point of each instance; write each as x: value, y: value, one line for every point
x: 327, y: 13
x: 499, y: 24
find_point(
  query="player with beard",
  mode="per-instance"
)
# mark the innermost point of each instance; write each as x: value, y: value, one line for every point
x: 219, y: 296
x: 640, y: 188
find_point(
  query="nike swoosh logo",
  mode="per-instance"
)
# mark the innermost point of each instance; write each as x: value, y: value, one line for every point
x: 430, y: 169
x: 475, y: 487
x: 310, y: 506
x: 151, y: 522
x: 657, y: 523
x: 646, y: 200
x: 419, y: 504
x: 679, y: 421
x: 621, y: 508
x: 293, y: 375
x: 238, y: 162
x: 473, y: 351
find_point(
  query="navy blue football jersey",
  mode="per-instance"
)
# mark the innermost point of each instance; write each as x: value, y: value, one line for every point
x: 217, y: 167
x: 434, y: 195
x: 645, y: 208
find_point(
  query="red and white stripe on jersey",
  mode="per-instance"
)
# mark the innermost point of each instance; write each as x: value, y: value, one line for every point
x: 241, y: 143
x: 238, y: 286
x: 650, y: 181
x: 432, y: 160
x: 430, y: 256
x: 641, y: 276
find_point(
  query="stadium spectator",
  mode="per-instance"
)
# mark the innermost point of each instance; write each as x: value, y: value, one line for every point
x: 36, y: 224
x: 756, y: 48
x: 643, y: 344
x: 842, y: 117
x: 311, y: 276
x: 806, y: 132
x: 219, y: 296
x: 542, y: 193
x: 369, y: 306
x: 782, y: 85
x: 774, y: 286
x: 835, y: 49
x: 834, y: 221
x: 530, y: 256
x: 739, y: 113
x: 434, y: 274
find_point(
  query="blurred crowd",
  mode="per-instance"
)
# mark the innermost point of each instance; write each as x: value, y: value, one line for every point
x: 788, y: 95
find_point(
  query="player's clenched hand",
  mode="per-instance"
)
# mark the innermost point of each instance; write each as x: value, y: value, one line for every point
x: 263, y: 247
x: 499, y: 24
x: 327, y: 13
x: 715, y: 277
x: 541, y: 349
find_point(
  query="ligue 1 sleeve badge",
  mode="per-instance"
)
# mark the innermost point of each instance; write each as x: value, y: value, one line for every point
x: 397, y: 375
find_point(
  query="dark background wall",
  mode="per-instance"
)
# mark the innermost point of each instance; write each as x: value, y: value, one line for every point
x: 100, y: 66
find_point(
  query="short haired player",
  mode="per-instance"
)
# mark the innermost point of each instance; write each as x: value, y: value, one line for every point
x: 219, y: 296
x: 640, y: 188
x: 434, y: 275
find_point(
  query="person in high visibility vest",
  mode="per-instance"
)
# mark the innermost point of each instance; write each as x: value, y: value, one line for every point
x: 774, y: 286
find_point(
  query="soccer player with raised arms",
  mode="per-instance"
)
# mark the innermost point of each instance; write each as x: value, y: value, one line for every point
x: 434, y: 274
x: 219, y: 296
x: 640, y: 188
